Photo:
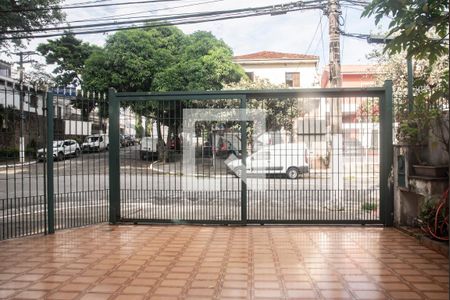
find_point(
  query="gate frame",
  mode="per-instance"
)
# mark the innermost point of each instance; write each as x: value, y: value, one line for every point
x: 386, y: 143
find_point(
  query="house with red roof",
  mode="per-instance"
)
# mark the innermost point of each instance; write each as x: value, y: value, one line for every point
x: 293, y: 69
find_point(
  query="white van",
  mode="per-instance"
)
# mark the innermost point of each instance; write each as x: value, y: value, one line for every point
x: 290, y: 159
x: 149, y: 147
x: 96, y: 142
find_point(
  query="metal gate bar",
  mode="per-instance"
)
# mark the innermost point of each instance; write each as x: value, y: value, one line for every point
x: 133, y: 201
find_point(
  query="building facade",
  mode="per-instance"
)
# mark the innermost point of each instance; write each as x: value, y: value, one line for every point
x: 292, y: 69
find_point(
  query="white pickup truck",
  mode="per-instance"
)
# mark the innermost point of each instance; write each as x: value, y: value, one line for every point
x: 149, y: 148
x: 97, y: 142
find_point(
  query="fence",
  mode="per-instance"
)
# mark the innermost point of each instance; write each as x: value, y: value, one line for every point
x: 78, y: 183
x: 137, y: 163
x: 319, y: 158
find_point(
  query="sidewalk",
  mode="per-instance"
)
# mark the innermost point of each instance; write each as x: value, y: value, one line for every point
x: 17, y: 164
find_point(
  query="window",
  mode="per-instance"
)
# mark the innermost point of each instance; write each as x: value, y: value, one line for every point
x: 251, y: 75
x: 265, y: 155
x: 293, y: 79
x: 59, y: 112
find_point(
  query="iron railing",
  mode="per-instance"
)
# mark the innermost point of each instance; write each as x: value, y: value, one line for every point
x: 346, y: 150
x: 341, y: 170
x: 37, y: 194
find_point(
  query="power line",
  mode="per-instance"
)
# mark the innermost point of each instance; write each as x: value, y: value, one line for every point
x: 345, y: 26
x: 315, y: 33
x: 118, y: 17
x: 21, y: 10
x: 272, y: 9
x: 322, y: 42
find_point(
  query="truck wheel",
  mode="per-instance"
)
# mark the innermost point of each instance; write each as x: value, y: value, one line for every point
x: 292, y: 173
x: 238, y: 172
x: 60, y: 156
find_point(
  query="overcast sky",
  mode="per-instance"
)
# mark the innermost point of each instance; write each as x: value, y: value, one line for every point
x: 296, y: 32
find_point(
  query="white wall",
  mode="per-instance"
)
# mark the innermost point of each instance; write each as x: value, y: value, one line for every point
x: 275, y: 73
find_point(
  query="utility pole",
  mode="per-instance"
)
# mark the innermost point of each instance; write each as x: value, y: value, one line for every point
x: 21, y: 62
x: 334, y: 13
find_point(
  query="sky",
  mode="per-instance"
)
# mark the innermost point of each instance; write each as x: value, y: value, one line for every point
x: 303, y: 32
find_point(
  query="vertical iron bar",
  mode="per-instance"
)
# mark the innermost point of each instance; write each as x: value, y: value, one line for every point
x: 243, y: 105
x: 49, y: 156
x: 410, y: 84
x: 386, y: 156
x: 114, y: 159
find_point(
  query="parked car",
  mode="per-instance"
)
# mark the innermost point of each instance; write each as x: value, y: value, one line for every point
x: 61, y: 150
x: 290, y: 159
x: 149, y: 148
x: 123, y: 142
x: 131, y: 140
x: 97, y: 142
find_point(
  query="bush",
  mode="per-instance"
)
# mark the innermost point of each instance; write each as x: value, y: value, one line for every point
x: 367, y: 206
x: 11, y: 153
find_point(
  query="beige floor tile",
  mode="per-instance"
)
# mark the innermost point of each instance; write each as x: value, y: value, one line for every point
x: 200, y: 262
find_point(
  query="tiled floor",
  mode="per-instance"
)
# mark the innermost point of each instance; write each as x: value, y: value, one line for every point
x: 196, y: 262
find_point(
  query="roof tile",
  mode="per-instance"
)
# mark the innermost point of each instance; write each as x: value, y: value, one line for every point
x: 262, y: 55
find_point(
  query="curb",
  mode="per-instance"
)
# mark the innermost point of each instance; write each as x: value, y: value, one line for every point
x: 152, y: 167
x: 424, y: 240
x: 18, y: 164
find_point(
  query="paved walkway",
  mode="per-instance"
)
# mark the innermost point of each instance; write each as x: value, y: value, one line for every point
x: 199, y: 262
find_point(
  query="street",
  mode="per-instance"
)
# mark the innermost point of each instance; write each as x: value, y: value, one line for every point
x: 155, y: 191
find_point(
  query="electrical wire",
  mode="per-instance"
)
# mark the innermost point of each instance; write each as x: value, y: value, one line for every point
x: 322, y: 42
x: 315, y: 33
x: 119, y: 17
x: 273, y: 9
x: 180, y: 20
x: 82, y: 6
x: 345, y: 26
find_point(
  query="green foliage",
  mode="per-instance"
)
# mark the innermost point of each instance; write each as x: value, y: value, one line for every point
x: 13, y: 153
x: 33, y: 18
x: 419, y: 30
x: 431, y: 95
x: 427, y: 212
x: 280, y: 113
x: 131, y: 60
x: 87, y: 102
x: 139, y: 128
x: 367, y: 206
x: 69, y: 54
x: 417, y: 27
x: 161, y: 59
x: 369, y: 111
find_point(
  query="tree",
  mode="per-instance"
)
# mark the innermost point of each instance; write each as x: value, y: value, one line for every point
x: 161, y: 59
x: 25, y: 16
x: 280, y: 112
x: 70, y: 55
x: 420, y: 28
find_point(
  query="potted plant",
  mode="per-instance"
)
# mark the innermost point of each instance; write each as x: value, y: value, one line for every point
x: 427, y: 120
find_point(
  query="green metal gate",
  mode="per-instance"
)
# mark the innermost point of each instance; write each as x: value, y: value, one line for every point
x: 277, y: 156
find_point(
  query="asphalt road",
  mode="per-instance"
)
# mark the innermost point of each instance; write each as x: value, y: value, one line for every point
x: 81, y: 187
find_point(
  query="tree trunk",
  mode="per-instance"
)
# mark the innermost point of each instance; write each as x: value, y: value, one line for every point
x: 161, y: 147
